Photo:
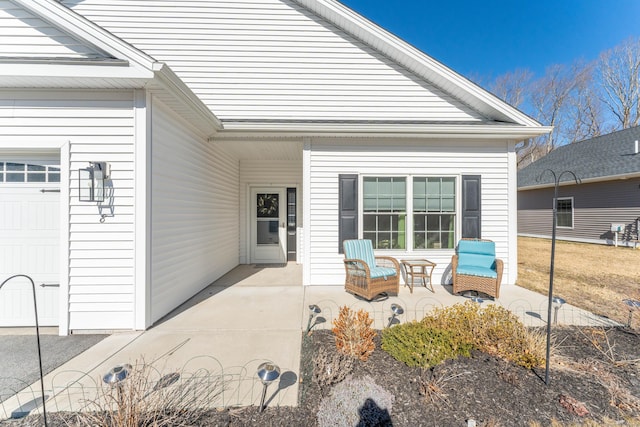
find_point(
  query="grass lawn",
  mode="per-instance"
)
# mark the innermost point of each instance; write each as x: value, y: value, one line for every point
x: 594, y: 277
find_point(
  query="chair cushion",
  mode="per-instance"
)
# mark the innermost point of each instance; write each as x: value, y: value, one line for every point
x: 360, y: 249
x: 471, y: 270
x: 474, y: 253
x: 385, y: 272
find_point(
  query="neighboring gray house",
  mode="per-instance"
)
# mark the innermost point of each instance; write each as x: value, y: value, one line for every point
x: 609, y: 168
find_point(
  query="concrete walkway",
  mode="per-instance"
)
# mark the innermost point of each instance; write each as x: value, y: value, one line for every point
x: 249, y: 316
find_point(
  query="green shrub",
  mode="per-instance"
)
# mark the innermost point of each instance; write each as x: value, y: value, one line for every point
x: 417, y: 344
x: 492, y: 329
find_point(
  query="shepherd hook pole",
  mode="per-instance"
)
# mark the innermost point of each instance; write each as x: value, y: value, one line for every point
x: 35, y: 309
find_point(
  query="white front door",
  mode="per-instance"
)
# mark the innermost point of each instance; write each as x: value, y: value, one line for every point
x: 268, y: 220
x: 29, y: 242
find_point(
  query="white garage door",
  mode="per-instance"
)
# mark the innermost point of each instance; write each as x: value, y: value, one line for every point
x: 29, y: 241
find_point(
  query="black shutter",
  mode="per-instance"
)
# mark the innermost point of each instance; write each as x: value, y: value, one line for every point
x: 471, y: 207
x: 348, y: 208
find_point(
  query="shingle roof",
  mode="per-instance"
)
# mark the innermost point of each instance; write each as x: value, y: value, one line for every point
x: 600, y: 157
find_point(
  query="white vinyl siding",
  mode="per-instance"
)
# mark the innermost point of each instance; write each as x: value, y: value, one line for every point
x: 95, y: 126
x: 23, y: 35
x: 272, y: 59
x: 194, y: 211
x: 278, y: 173
x: 403, y: 158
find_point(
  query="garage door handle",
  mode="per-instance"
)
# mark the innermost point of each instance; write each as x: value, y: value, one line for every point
x: 52, y: 190
x: 50, y: 285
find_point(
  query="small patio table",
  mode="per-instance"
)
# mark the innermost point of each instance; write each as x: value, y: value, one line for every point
x: 417, y: 268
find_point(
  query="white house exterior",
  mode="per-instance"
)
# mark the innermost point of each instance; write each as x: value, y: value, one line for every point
x: 209, y: 111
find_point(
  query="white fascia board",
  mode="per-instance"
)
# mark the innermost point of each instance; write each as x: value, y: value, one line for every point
x: 511, y: 132
x: 417, y: 61
x: 619, y: 177
x: 80, y: 27
x: 169, y: 81
x: 76, y: 70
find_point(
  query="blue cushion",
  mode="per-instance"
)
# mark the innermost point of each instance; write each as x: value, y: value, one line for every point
x: 476, y: 253
x: 471, y: 270
x: 385, y: 272
x: 360, y: 249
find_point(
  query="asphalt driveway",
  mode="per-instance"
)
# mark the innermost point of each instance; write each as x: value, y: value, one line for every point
x: 19, y: 357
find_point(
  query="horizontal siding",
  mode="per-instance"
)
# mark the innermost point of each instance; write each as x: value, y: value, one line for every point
x: 194, y: 212
x: 272, y: 59
x: 24, y: 35
x: 328, y: 160
x: 267, y: 173
x: 99, y: 126
x: 596, y: 207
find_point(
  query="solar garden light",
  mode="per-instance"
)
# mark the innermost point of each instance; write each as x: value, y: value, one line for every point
x: 633, y: 305
x: 116, y: 376
x: 314, y: 310
x: 557, y: 303
x: 267, y: 372
x: 396, y: 310
x: 477, y: 299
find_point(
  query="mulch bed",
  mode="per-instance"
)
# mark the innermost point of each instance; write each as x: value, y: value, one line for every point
x: 484, y: 388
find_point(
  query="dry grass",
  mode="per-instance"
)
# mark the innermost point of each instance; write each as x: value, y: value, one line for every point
x: 593, y: 277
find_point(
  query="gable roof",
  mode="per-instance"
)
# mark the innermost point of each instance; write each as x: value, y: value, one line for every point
x: 603, y: 158
x: 315, y: 65
x: 47, y: 45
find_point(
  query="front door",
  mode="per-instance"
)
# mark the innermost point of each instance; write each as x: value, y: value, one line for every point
x: 268, y: 225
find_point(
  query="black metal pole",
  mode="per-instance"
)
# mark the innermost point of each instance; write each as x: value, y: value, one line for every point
x: 556, y: 180
x: 35, y: 309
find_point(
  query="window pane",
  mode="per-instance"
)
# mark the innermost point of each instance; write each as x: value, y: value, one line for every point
x: 448, y: 204
x: 419, y: 240
x: 418, y: 222
x: 369, y: 222
x: 448, y: 186
x: 1, y: 166
x: 419, y: 205
x: 267, y: 205
x: 36, y: 168
x: 15, y: 166
x: 564, y: 215
x: 384, y: 187
x: 54, y: 177
x: 419, y: 187
x: 433, y: 187
x: 433, y: 204
x: 36, y: 177
x: 267, y: 232
x: 54, y: 169
x: 369, y: 187
x: 15, y: 177
x: 370, y: 204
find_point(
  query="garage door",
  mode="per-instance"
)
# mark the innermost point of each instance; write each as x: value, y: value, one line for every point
x: 29, y: 242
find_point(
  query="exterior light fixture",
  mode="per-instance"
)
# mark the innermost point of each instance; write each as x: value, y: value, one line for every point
x: 314, y: 310
x: 91, y: 181
x: 632, y: 305
x: 477, y: 299
x: 267, y: 372
x: 557, y: 303
x: 115, y: 377
x: 396, y: 310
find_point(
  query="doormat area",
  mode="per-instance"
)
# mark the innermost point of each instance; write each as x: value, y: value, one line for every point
x: 277, y: 265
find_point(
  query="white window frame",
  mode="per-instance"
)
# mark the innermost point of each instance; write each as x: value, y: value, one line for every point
x: 572, y: 212
x: 409, y: 209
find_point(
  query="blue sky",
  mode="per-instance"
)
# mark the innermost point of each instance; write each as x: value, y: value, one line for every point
x: 488, y: 38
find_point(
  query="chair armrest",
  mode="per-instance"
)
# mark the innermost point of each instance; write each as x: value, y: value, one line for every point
x: 387, y: 261
x: 356, y: 266
x: 499, y: 268
x: 454, y: 266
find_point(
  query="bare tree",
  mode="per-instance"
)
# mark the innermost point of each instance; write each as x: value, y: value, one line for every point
x: 585, y: 117
x: 619, y: 70
x: 513, y: 87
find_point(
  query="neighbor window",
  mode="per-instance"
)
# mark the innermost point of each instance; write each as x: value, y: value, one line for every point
x: 434, y: 212
x: 385, y: 211
x: 564, y: 212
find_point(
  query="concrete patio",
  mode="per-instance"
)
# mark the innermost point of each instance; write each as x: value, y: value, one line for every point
x: 251, y: 315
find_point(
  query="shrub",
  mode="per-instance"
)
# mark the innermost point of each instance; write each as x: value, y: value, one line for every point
x: 493, y: 329
x: 330, y: 368
x: 356, y: 402
x: 354, y: 334
x: 417, y: 344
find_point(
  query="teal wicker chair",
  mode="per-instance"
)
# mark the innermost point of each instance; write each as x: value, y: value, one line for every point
x: 368, y: 275
x: 476, y: 268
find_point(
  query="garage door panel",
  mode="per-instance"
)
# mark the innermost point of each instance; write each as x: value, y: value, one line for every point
x: 29, y: 244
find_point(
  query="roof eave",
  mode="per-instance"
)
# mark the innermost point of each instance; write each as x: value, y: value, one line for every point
x: 618, y: 177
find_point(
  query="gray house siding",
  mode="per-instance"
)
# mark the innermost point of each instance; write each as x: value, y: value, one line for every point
x: 595, y: 207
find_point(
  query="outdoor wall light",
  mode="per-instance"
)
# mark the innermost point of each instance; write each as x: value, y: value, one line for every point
x: 557, y: 303
x: 91, y: 181
x: 632, y: 305
x: 396, y: 310
x: 314, y: 310
x: 267, y: 372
